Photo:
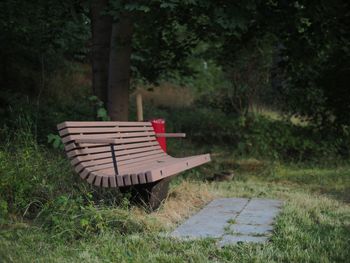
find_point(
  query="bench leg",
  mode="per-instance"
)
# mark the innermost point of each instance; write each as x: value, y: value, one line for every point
x: 152, y: 194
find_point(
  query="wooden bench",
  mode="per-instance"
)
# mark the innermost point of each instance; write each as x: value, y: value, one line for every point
x: 121, y: 154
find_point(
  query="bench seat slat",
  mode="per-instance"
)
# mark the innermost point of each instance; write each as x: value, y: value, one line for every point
x: 155, y: 164
x: 102, y: 164
x: 170, y: 167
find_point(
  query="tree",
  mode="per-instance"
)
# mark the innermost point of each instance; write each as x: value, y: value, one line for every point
x: 119, y: 67
x: 36, y: 37
x: 101, y: 26
x: 154, y: 36
x: 315, y: 36
x: 111, y: 54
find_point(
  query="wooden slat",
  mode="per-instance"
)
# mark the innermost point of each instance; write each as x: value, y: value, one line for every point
x: 182, y: 163
x: 72, y: 146
x: 98, y: 180
x: 157, y: 171
x: 139, y: 166
x: 103, y: 164
x: 174, y: 168
x: 113, y: 135
x: 134, y: 179
x: 101, y: 123
x: 126, y: 179
x: 112, y: 181
x: 106, y: 139
x: 91, y: 140
x: 91, y: 178
x: 119, y: 159
x: 149, y: 178
x: 142, y: 178
x: 127, y: 164
x: 88, y: 130
x: 108, y: 168
x: 120, y: 180
x: 105, y: 182
x: 120, y: 147
x: 118, y: 154
x: 154, y: 165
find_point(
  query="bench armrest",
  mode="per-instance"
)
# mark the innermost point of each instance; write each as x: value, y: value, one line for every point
x: 96, y: 140
x: 171, y: 135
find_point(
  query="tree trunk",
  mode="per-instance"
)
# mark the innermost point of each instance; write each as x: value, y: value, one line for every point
x: 119, y: 68
x: 101, y: 40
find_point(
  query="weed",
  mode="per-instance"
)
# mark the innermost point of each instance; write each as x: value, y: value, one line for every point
x: 231, y: 221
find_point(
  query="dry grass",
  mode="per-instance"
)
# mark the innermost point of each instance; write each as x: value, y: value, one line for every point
x: 183, y: 200
x: 166, y: 94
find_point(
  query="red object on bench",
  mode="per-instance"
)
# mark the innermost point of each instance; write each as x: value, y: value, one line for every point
x: 159, y: 127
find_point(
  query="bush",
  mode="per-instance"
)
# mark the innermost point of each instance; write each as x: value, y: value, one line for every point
x: 257, y: 136
x: 73, y: 217
x: 38, y: 184
x: 30, y: 175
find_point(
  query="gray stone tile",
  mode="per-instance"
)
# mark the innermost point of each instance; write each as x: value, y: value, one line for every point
x: 253, y: 221
x: 210, y: 221
x: 251, y: 230
x: 259, y: 212
x: 231, y: 240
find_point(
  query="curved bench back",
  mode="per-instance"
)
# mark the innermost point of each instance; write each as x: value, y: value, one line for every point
x: 136, y: 142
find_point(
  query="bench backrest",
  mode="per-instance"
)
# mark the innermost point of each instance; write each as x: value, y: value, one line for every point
x: 136, y: 142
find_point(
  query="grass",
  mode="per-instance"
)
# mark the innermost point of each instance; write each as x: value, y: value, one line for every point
x: 314, y: 225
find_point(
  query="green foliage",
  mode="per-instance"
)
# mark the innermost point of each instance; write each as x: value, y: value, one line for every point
x: 31, y: 175
x: 36, y: 38
x: 39, y: 185
x: 314, y: 51
x: 55, y: 140
x: 72, y: 217
x: 258, y: 136
x: 101, y: 112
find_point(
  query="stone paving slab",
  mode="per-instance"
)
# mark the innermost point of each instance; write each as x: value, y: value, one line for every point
x: 251, y: 229
x: 229, y: 240
x: 210, y: 220
x: 232, y: 220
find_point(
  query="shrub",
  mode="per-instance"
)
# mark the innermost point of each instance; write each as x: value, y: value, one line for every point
x: 31, y: 175
x: 258, y: 136
x: 37, y: 183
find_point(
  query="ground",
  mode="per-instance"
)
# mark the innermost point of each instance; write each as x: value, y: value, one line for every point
x: 314, y: 225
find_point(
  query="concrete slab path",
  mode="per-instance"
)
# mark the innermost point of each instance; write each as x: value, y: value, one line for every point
x: 232, y: 220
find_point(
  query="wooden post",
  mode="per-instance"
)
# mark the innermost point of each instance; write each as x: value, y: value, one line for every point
x: 139, y: 106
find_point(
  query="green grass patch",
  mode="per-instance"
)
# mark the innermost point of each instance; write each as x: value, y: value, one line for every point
x: 47, y: 214
x: 311, y: 228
